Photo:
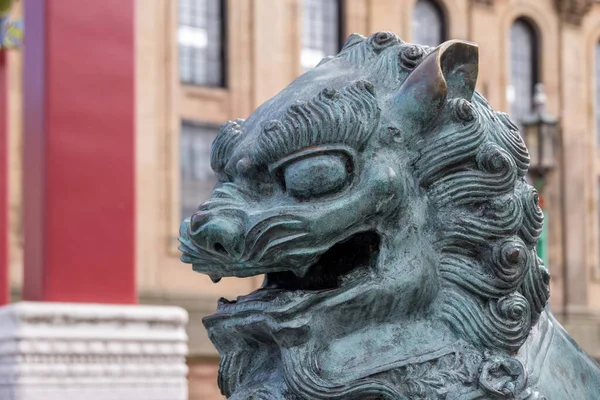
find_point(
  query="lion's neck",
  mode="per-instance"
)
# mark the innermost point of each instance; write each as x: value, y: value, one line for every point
x: 384, y: 347
x: 383, y: 354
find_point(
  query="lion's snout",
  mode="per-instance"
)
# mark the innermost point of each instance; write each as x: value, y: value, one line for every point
x: 217, y: 235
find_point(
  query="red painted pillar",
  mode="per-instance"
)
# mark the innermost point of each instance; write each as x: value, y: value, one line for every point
x: 4, y: 282
x: 79, y: 199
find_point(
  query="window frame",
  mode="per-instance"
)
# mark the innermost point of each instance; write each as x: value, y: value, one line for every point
x: 596, y: 88
x: 339, y: 31
x: 341, y: 23
x: 223, y: 49
x: 595, y: 95
x: 597, y: 264
x: 199, y: 125
x: 536, y: 70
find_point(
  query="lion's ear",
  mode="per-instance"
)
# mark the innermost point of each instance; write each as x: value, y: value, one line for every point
x: 449, y: 71
x: 459, y: 62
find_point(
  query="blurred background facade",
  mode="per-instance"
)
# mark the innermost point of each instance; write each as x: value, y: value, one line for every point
x: 200, y: 63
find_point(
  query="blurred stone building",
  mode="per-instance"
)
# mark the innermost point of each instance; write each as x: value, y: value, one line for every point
x: 200, y: 63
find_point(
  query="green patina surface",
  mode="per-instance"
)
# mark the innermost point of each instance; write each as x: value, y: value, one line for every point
x: 387, y: 206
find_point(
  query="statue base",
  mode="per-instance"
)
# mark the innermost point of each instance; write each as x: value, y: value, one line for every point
x: 61, y: 351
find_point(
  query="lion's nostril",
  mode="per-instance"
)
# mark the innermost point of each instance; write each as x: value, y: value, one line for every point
x: 219, y: 248
x: 216, y: 234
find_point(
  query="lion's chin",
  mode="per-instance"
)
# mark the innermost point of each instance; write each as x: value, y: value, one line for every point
x: 345, y: 265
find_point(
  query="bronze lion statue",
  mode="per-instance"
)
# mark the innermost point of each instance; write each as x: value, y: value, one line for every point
x: 387, y: 206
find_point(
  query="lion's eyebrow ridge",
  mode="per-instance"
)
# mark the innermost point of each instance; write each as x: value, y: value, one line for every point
x: 347, y: 117
x: 224, y: 144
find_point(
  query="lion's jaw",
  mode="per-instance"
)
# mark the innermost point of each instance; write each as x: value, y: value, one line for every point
x: 388, y: 294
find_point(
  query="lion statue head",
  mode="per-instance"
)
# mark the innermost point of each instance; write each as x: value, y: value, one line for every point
x: 386, y: 204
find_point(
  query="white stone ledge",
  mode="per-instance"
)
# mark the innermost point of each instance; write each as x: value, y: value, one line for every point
x: 108, y: 392
x: 92, y: 351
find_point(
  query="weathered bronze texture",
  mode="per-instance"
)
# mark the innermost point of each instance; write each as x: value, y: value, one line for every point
x: 387, y: 205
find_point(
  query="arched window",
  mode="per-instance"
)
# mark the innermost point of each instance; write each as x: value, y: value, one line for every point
x: 597, y: 72
x: 428, y: 24
x: 524, y: 71
x: 320, y: 31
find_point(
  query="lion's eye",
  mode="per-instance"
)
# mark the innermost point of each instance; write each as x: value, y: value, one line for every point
x: 315, y: 176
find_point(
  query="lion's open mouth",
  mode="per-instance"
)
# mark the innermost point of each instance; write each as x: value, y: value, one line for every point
x: 343, y: 262
x: 328, y: 273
